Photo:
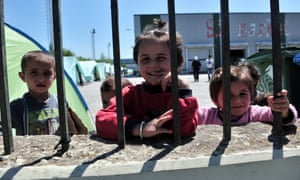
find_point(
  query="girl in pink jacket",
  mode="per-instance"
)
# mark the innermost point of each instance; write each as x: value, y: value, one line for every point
x: 242, y: 91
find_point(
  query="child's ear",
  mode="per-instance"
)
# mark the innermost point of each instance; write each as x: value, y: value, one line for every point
x: 21, y: 75
x: 54, y: 76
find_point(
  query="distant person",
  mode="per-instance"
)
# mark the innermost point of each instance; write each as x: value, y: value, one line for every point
x: 210, y: 65
x: 37, y: 113
x: 196, y: 65
x: 108, y: 89
x: 148, y: 109
x: 242, y: 112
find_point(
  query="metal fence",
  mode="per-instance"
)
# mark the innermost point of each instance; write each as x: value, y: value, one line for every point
x: 65, y: 139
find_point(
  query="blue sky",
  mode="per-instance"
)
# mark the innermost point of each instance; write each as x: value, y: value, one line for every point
x: 79, y: 17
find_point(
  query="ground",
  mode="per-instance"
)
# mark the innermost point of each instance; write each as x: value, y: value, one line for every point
x: 87, y: 149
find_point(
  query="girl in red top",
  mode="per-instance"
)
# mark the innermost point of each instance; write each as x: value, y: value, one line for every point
x: 148, y: 106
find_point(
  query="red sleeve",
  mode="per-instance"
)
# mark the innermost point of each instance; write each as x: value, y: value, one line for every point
x: 188, y: 116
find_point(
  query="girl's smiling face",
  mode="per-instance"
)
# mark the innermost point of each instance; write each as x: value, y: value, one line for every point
x: 153, y: 61
x: 240, y: 98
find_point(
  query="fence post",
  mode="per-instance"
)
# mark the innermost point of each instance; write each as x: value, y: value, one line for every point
x: 226, y: 69
x: 277, y: 79
x: 4, y: 95
x: 117, y: 67
x: 65, y: 138
x: 174, y: 65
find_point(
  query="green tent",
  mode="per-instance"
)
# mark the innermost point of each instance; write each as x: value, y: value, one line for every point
x: 17, y: 44
x: 290, y: 72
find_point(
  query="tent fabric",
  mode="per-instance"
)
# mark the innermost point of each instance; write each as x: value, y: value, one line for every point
x: 17, y: 44
x: 101, y: 69
x: 89, y: 70
x: 73, y: 68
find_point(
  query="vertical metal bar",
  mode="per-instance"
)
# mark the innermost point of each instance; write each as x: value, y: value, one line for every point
x: 65, y: 138
x: 226, y: 68
x: 276, y: 55
x: 174, y: 68
x: 4, y: 95
x: 117, y: 67
x: 217, y: 47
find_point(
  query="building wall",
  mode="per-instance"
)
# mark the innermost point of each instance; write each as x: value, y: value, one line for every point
x: 249, y: 33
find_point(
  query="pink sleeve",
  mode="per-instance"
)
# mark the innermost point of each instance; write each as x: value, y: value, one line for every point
x: 264, y: 114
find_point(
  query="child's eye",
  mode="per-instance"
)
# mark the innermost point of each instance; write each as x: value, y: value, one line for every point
x: 161, y: 58
x: 244, y: 94
x: 48, y: 73
x: 144, y: 60
x: 34, y: 73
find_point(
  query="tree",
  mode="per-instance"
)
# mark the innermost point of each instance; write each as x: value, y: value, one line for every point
x: 67, y: 52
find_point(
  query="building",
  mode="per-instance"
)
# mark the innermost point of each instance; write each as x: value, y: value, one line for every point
x: 249, y: 33
x: 130, y: 64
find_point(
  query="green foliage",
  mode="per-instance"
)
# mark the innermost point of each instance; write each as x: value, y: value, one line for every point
x: 67, y: 52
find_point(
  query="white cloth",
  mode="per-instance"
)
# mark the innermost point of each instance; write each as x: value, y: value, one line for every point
x: 209, y: 62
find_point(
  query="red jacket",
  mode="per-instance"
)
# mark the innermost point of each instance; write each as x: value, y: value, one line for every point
x: 143, y: 103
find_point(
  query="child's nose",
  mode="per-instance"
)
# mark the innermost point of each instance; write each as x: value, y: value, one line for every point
x: 235, y: 98
x: 153, y: 63
x: 41, y: 77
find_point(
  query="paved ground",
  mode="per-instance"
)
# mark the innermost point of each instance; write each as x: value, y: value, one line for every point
x: 91, y: 91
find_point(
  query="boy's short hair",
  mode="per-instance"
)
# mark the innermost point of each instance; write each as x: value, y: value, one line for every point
x: 109, y: 84
x: 33, y: 55
x: 158, y: 32
x: 236, y: 74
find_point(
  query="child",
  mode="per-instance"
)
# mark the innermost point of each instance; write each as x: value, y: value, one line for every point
x: 108, y: 89
x: 41, y: 109
x: 259, y: 98
x: 36, y: 113
x: 242, y: 111
x: 148, y: 106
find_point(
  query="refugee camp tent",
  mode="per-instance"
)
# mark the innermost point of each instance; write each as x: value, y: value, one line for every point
x: 90, y: 70
x: 101, y: 68
x: 17, y: 44
x: 73, y: 68
x: 109, y: 69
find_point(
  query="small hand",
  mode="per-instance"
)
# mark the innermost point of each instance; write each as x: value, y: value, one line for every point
x: 280, y: 102
x: 153, y: 127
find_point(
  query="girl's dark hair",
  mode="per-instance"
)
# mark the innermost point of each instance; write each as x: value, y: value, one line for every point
x: 109, y: 84
x: 158, y: 31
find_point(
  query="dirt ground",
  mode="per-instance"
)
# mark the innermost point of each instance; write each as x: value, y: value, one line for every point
x: 88, y: 149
